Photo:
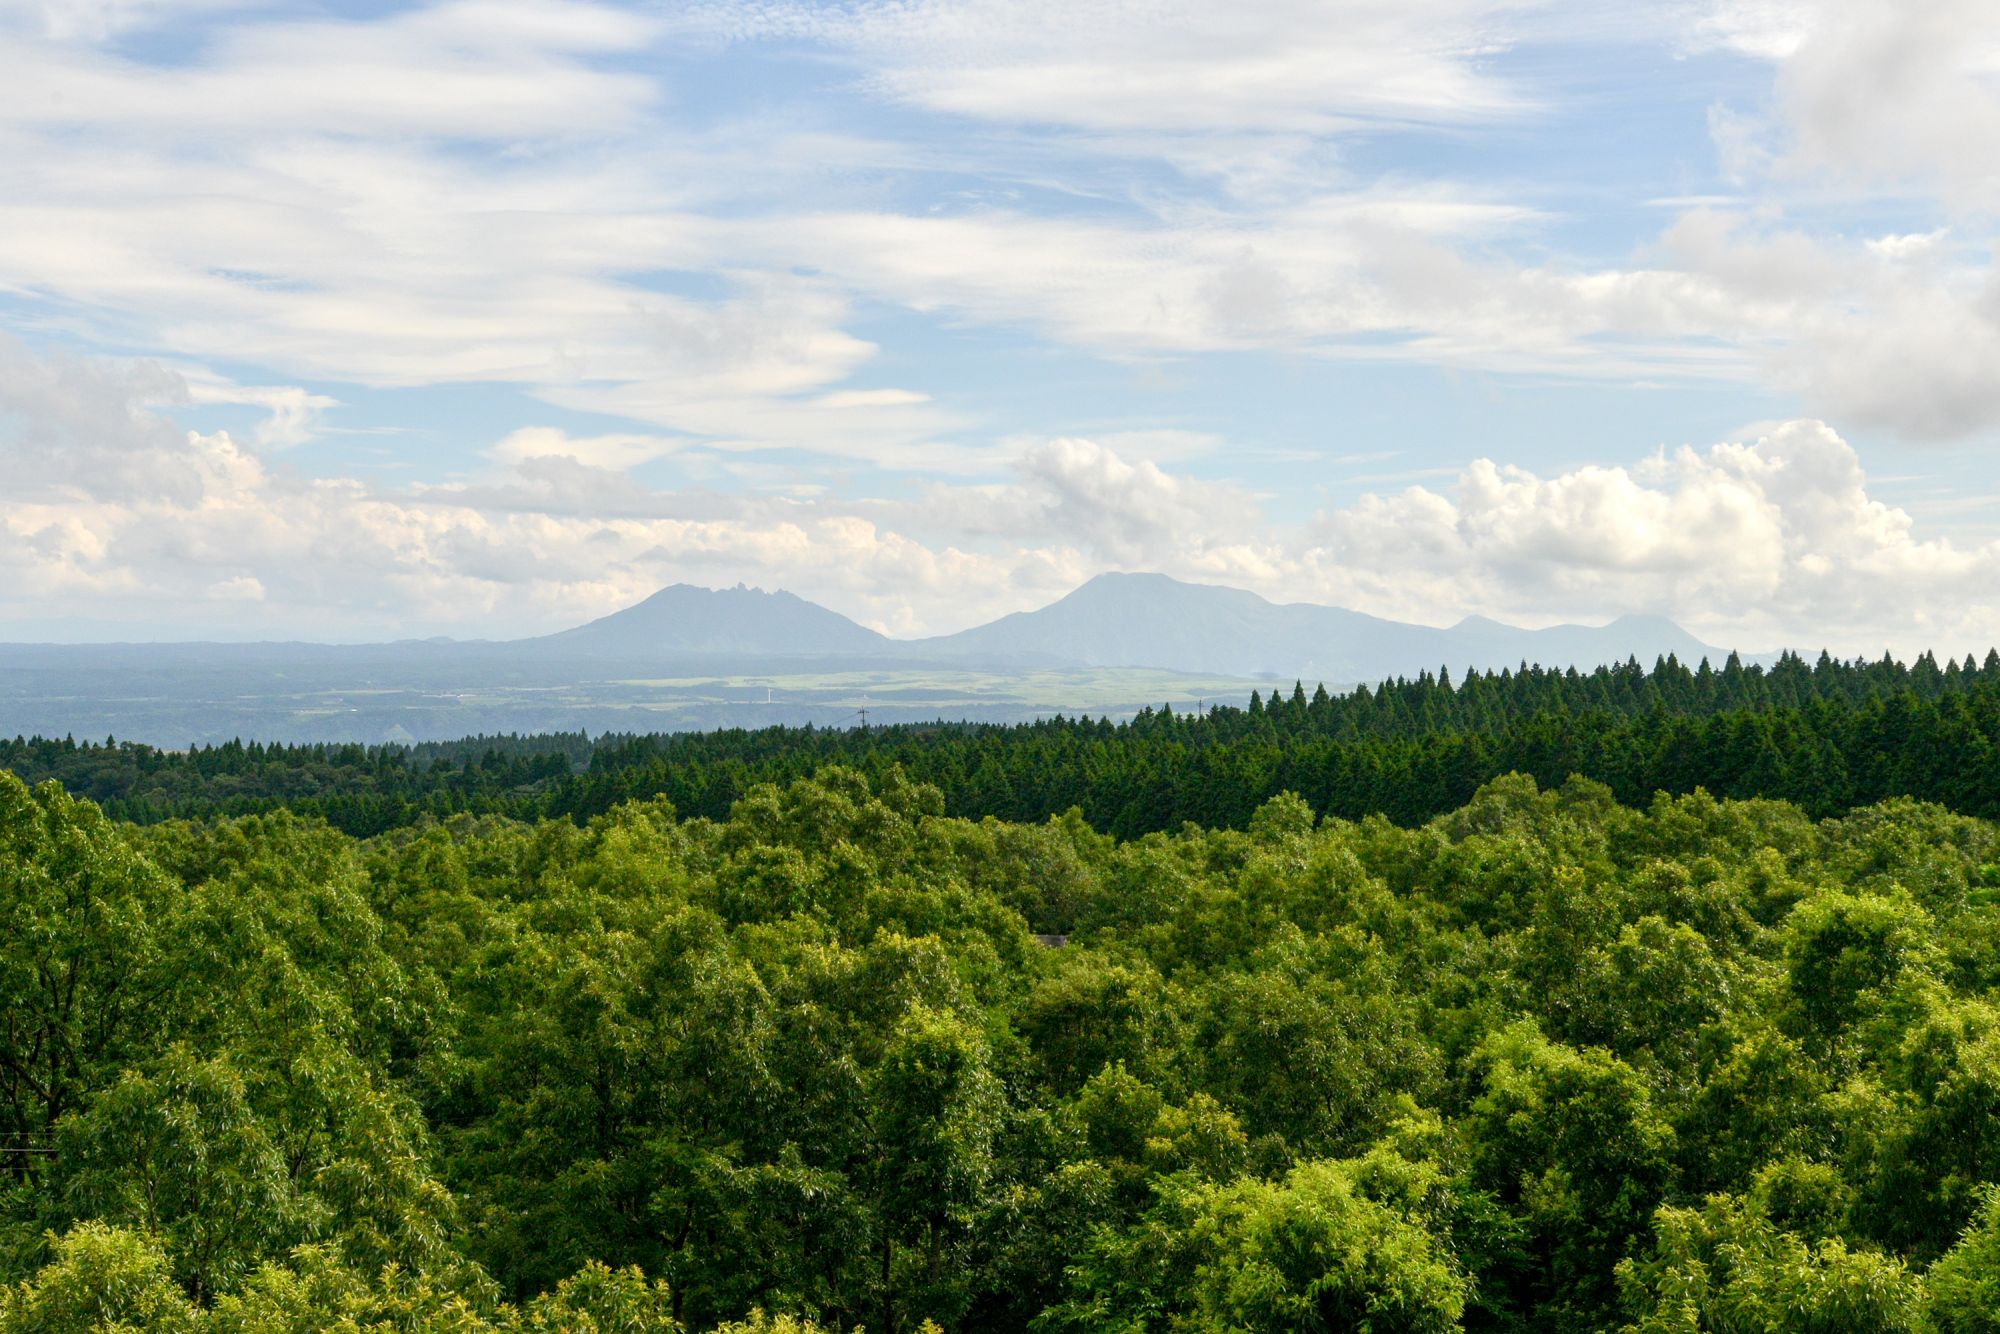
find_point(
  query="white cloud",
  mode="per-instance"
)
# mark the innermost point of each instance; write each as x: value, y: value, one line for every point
x: 68, y: 423
x: 612, y: 452
x: 1908, y: 245
x: 239, y: 588
x: 491, y: 70
x: 469, y: 194
x: 1760, y: 544
x: 112, y: 512
x: 1298, y: 66
x: 1362, y: 276
x: 97, y: 20
x: 1893, y: 105
x: 1899, y: 91
x: 295, y: 415
x: 1894, y: 333
x: 490, y: 193
x: 1120, y: 513
x: 454, y: 193
x: 496, y: 193
x: 1756, y: 544
x: 870, y: 398
x: 1767, y: 29
x: 1874, y: 93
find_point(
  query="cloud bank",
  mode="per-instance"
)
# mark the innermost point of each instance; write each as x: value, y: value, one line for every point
x: 1758, y: 543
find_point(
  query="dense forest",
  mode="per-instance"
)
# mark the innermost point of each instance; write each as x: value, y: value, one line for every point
x: 840, y: 1059
x: 1826, y: 736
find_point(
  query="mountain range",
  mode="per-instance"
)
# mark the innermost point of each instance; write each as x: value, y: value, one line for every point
x: 1115, y: 620
x: 690, y: 658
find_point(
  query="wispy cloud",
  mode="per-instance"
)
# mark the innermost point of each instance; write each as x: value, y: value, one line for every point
x: 933, y: 308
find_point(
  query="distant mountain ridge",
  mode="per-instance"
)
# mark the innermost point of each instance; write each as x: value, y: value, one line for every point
x: 1152, y: 620
x: 685, y: 619
x: 689, y: 658
x: 1113, y: 620
x: 1147, y: 621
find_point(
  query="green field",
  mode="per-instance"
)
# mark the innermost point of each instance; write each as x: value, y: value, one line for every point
x: 1116, y: 691
x: 336, y: 699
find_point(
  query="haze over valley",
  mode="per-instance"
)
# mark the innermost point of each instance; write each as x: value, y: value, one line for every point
x: 689, y: 658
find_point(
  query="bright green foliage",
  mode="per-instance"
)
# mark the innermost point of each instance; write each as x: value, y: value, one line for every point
x: 936, y: 1109
x: 101, y: 1280
x: 80, y: 943
x: 1312, y: 1254
x: 828, y: 1058
x: 1844, y: 955
x: 175, y: 1151
x: 1965, y: 1284
x: 1726, y: 1268
x: 1573, y: 1140
x: 1923, y: 1159
x: 600, y: 1301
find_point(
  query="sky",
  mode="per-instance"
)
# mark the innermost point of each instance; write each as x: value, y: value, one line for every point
x: 483, y: 318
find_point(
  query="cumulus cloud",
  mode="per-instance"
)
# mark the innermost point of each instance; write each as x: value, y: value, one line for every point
x: 1875, y: 92
x: 1892, y: 104
x: 111, y: 511
x: 497, y: 193
x: 1893, y: 332
x: 1775, y: 541
x: 1123, y: 513
x: 69, y: 422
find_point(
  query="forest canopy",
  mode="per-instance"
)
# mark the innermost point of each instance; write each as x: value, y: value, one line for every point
x: 1826, y: 737
x: 842, y: 1058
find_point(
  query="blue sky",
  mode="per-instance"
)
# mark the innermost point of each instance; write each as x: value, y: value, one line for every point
x: 347, y: 321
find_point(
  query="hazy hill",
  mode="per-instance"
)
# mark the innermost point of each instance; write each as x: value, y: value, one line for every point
x: 683, y: 620
x: 1150, y: 620
x: 698, y: 658
x: 1485, y: 643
